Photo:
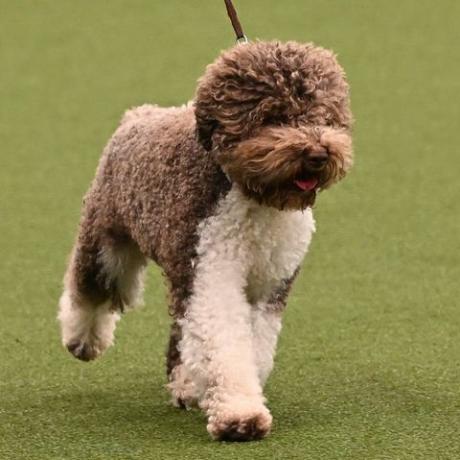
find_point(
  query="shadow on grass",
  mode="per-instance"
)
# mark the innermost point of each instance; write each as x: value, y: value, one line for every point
x: 144, y: 404
x: 141, y: 411
x: 131, y: 417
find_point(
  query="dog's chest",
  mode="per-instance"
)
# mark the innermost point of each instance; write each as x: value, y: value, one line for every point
x: 277, y: 243
x: 261, y: 246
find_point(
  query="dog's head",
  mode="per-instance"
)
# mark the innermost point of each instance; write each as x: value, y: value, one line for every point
x: 277, y: 117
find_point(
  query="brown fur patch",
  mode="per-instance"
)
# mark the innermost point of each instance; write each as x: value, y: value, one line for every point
x: 173, y: 355
x: 153, y: 186
x: 278, y: 299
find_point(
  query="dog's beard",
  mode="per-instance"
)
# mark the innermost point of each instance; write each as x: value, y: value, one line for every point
x: 273, y: 168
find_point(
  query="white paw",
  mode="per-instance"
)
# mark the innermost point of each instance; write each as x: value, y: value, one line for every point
x: 87, y: 331
x: 184, y: 391
x: 239, y: 425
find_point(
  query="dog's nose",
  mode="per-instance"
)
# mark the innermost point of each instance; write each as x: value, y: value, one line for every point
x: 318, y: 159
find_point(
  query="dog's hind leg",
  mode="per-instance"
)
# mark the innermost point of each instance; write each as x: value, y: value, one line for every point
x: 104, y: 277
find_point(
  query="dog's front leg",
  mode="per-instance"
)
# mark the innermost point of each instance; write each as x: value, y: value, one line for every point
x: 217, y: 349
x: 266, y: 326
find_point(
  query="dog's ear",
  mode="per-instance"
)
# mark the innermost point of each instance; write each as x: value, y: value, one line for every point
x: 205, y: 128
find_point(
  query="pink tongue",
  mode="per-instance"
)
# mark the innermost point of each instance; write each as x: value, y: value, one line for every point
x: 308, y: 184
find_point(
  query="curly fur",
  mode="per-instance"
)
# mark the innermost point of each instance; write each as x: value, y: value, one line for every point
x: 263, y: 108
x: 218, y: 193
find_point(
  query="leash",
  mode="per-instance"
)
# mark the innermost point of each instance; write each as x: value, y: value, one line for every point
x: 232, y: 14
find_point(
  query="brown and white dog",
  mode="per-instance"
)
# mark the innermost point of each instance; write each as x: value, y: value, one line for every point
x: 218, y: 193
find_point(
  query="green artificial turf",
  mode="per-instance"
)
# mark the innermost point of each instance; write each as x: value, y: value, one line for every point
x: 368, y: 362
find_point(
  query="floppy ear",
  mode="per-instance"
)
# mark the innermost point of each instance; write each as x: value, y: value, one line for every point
x: 205, y: 128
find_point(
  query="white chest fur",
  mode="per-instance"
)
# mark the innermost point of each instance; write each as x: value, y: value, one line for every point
x: 244, y: 252
x: 255, y: 247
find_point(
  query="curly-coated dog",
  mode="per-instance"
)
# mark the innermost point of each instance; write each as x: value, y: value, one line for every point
x: 218, y: 193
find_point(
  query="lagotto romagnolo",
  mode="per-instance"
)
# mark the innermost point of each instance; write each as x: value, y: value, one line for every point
x: 218, y: 193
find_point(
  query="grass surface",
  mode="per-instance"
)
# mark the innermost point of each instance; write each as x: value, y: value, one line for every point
x: 368, y: 363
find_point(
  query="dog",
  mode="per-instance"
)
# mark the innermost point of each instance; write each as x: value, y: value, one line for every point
x: 219, y: 193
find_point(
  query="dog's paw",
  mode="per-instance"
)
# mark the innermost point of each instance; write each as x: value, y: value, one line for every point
x: 88, y: 346
x: 87, y: 331
x: 240, y: 428
x: 184, y: 401
x: 84, y: 351
x: 184, y: 390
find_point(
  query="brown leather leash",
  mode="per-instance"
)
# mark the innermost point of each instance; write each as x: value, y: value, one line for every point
x: 232, y: 14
